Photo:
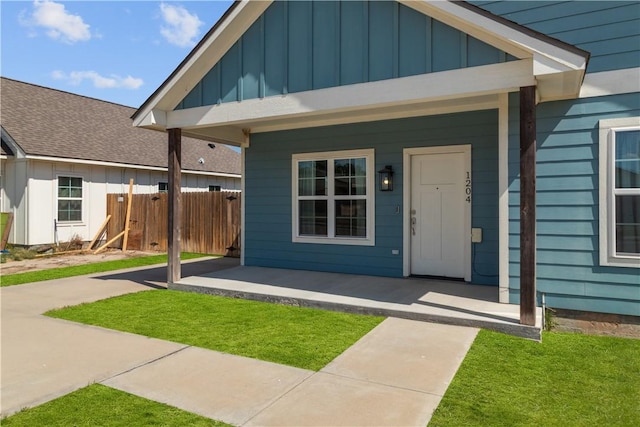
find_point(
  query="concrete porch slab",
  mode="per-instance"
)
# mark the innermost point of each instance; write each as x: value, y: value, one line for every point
x: 437, y: 301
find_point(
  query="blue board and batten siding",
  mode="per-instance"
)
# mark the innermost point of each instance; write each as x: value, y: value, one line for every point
x: 268, y: 199
x: 299, y: 46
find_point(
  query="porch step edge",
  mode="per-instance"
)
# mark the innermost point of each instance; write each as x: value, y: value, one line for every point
x: 515, y: 329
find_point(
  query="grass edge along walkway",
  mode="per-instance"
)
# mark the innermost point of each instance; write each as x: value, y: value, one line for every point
x: 567, y: 379
x: 98, y: 404
x: 91, y: 268
x: 307, y: 338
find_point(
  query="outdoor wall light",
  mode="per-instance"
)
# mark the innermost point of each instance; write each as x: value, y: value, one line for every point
x: 386, y: 178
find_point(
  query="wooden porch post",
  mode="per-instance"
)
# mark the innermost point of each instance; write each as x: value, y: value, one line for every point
x: 175, y: 205
x: 528, y: 205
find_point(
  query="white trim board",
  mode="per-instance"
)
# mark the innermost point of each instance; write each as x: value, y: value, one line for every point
x: 125, y: 165
x: 548, y: 58
x: 503, y: 199
x: 402, y: 92
x: 616, y: 82
x: 606, y: 196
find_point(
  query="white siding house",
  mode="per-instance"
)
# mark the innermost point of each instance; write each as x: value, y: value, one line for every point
x: 56, y: 169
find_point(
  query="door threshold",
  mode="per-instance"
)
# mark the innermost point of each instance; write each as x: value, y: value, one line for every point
x: 444, y: 278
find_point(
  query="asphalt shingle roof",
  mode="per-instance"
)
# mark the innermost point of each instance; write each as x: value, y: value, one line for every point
x: 52, y: 123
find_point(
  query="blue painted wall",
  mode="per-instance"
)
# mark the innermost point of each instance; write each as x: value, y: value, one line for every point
x: 268, y: 192
x: 567, y: 207
x: 610, y: 30
x: 298, y: 46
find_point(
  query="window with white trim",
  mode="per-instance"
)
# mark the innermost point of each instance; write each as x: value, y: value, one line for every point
x: 163, y: 187
x: 333, y: 197
x: 620, y: 192
x: 69, y: 199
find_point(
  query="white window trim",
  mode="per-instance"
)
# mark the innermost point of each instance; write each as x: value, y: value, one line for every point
x: 608, y: 255
x: 163, y: 191
x: 369, y: 240
x: 83, y: 212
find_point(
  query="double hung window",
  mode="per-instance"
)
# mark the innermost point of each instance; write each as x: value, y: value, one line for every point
x: 333, y: 197
x: 620, y: 192
x: 69, y: 199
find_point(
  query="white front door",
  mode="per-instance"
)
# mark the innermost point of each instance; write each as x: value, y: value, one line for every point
x: 438, y: 214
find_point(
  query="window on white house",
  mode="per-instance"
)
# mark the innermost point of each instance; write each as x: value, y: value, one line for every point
x: 163, y: 187
x: 333, y: 197
x: 214, y: 188
x: 69, y: 199
x: 620, y: 192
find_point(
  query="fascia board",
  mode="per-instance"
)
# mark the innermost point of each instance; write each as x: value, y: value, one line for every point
x: 517, y: 43
x: 18, y: 152
x: 486, y: 102
x: 199, y: 62
x: 154, y: 119
x: 461, y: 83
x: 125, y: 165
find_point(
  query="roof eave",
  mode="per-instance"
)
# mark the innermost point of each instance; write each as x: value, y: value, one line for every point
x: 229, y: 28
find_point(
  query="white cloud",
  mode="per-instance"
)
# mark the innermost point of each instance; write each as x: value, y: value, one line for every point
x: 113, y: 81
x: 181, y: 28
x: 59, y: 24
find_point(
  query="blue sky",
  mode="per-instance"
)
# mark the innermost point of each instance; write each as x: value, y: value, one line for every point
x: 118, y: 51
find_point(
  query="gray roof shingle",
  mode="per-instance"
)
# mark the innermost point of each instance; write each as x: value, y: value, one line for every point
x: 52, y: 123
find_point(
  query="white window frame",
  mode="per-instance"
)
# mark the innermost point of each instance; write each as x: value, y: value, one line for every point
x: 58, y: 199
x: 161, y: 183
x: 607, y: 215
x: 329, y: 156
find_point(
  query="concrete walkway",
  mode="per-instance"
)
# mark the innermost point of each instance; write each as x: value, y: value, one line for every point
x: 395, y: 375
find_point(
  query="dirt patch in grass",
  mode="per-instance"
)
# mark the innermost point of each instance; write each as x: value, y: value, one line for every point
x: 67, y: 260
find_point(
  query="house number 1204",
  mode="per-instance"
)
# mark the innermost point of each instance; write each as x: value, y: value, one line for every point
x: 467, y: 187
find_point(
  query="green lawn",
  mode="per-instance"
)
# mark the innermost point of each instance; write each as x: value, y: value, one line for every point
x: 567, y: 380
x: 301, y: 337
x: 98, y: 405
x: 97, y: 267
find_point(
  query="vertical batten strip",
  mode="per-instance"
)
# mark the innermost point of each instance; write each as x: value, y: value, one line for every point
x: 338, y: 53
x: 285, y: 46
x: 396, y: 40
x: 429, y: 44
x: 240, y: 89
x: 261, y: 82
x: 365, y: 45
x: 463, y: 50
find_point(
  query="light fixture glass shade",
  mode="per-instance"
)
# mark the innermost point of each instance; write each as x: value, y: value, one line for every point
x: 386, y: 178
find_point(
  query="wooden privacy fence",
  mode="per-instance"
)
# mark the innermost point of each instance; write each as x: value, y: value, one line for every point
x: 210, y: 222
